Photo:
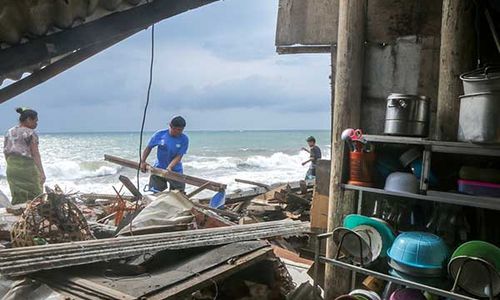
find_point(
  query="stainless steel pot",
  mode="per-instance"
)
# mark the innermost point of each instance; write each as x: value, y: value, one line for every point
x: 479, y: 119
x: 481, y: 80
x: 407, y: 115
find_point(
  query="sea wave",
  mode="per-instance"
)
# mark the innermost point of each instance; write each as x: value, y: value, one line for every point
x: 278, y: 160
x: 78, y: 170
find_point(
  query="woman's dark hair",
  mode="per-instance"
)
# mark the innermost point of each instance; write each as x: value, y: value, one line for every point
x: 26, y: 113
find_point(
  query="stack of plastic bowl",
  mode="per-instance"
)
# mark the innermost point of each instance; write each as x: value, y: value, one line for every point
x: 419, y: 254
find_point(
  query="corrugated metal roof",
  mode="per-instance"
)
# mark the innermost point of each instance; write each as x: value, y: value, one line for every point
x: 21, y: 20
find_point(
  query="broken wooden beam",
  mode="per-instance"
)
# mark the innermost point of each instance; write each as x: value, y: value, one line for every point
x: 198, y: 190
x: 214, y: 186
x: 266, y: 186
x: 93, y: 196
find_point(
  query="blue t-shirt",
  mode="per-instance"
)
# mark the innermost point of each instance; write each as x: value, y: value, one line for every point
x: 168, y: 148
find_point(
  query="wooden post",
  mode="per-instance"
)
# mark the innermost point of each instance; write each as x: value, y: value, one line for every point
x: 456, y: 57
x: 346, y: 113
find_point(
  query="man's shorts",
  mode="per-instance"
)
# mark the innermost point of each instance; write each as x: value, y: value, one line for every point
x: 160, y: 184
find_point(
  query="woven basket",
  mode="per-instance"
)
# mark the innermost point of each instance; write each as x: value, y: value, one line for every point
x: 51, y: 218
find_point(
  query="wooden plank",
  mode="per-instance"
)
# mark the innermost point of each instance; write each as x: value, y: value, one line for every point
x: 198, y: 190
x: 456, y: 57
x: 346, y: 114
x: 207, y: 278
x: 93, y: 196
x: 214, y: 186
x: 266, y: 186
x: 209, y: 219
x: 41, y: 50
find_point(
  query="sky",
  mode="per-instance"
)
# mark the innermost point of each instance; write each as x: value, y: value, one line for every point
x: 217, y: 66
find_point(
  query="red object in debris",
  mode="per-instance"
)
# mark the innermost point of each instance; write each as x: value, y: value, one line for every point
x: 361, y: 166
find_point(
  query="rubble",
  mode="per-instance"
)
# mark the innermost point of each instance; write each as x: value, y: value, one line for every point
x: 125, y: 237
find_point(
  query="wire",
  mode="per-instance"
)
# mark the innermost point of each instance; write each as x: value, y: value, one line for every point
x: 144, y: 114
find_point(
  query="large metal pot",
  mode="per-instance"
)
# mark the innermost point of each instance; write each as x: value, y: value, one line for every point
x: 481, y: 80
x: 479, y: 119
x: 407, y: 115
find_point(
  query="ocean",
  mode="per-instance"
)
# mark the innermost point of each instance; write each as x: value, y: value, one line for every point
x: 75, y: 161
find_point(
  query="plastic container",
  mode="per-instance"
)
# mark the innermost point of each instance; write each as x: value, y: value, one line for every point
x: 361, y: 167
x: 419, y: 250
x: 479, y: 188
x: 479, y: 174
x: 400, y: 182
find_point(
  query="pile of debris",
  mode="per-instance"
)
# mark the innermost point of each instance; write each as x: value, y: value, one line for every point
x: 163, y: 246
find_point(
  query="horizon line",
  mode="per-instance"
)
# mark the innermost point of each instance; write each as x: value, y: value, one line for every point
x: 195, y: 130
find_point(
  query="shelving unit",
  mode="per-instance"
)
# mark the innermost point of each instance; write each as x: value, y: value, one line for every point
x: 428, y: 147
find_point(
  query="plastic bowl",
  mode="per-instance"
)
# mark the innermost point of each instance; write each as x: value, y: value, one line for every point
x: 400, y: 182
x: 367, y: 294
x: 419, y: 250
x: 480, y: 260
x: 407, y: 294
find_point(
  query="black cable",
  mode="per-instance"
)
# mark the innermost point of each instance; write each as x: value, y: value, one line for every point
x: 144, y: 114
x: 147, y: 101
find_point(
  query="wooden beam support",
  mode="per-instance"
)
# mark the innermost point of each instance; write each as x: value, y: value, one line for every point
x: 41, y: 50
x: 214, y: 186
x: 346, y: 113
x: 456, y: 57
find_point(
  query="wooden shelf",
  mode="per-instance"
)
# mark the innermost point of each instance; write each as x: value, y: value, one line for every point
x: 438, y: 146
x: 442, y: 197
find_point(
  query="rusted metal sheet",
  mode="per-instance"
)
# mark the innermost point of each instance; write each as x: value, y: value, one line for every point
x: 314, y: 23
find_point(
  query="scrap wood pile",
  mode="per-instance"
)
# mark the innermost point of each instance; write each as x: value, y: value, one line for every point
x: 93, y: 246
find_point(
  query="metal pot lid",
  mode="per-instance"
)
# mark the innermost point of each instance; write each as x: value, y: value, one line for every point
x: 481, y: 74
x: 491, y: 93
x: 407, y: 96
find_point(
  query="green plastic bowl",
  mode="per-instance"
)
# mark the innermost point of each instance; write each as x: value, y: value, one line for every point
x: 480, y: 259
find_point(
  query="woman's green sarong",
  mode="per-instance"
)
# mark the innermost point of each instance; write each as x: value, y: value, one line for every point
x: 24, y: 178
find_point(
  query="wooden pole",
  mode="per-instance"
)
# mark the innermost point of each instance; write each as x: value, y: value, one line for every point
x: 346, y: 113
x: 210, y: 185
x: 456, y: 57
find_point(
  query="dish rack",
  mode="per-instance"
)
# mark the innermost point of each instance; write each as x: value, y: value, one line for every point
x: 429, y: 147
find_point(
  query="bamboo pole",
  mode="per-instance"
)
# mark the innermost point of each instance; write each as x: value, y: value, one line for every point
x: 457, y: 51
x: 346, y: 113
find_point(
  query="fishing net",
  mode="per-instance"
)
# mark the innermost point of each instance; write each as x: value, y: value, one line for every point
x: 49, y: 219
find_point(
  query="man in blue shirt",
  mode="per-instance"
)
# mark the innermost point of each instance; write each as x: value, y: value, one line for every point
x: 171, y: 145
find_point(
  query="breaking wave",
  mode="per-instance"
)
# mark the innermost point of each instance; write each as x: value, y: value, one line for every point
x: 278, y: 160
x: 73, y: 170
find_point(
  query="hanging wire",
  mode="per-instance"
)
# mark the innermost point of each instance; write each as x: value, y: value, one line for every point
x: 144, y: 114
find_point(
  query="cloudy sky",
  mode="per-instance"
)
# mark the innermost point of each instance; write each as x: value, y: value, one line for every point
x: 216, y: 65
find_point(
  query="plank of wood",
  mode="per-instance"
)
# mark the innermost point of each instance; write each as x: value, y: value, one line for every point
x: 93, y: 196
x: 346, y: 108
x: 266, y: 186
x: 214, y: 186
x: 207, y: 278
x: 270, y: 194
x: 198, y: 190
x: 456, y: 57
